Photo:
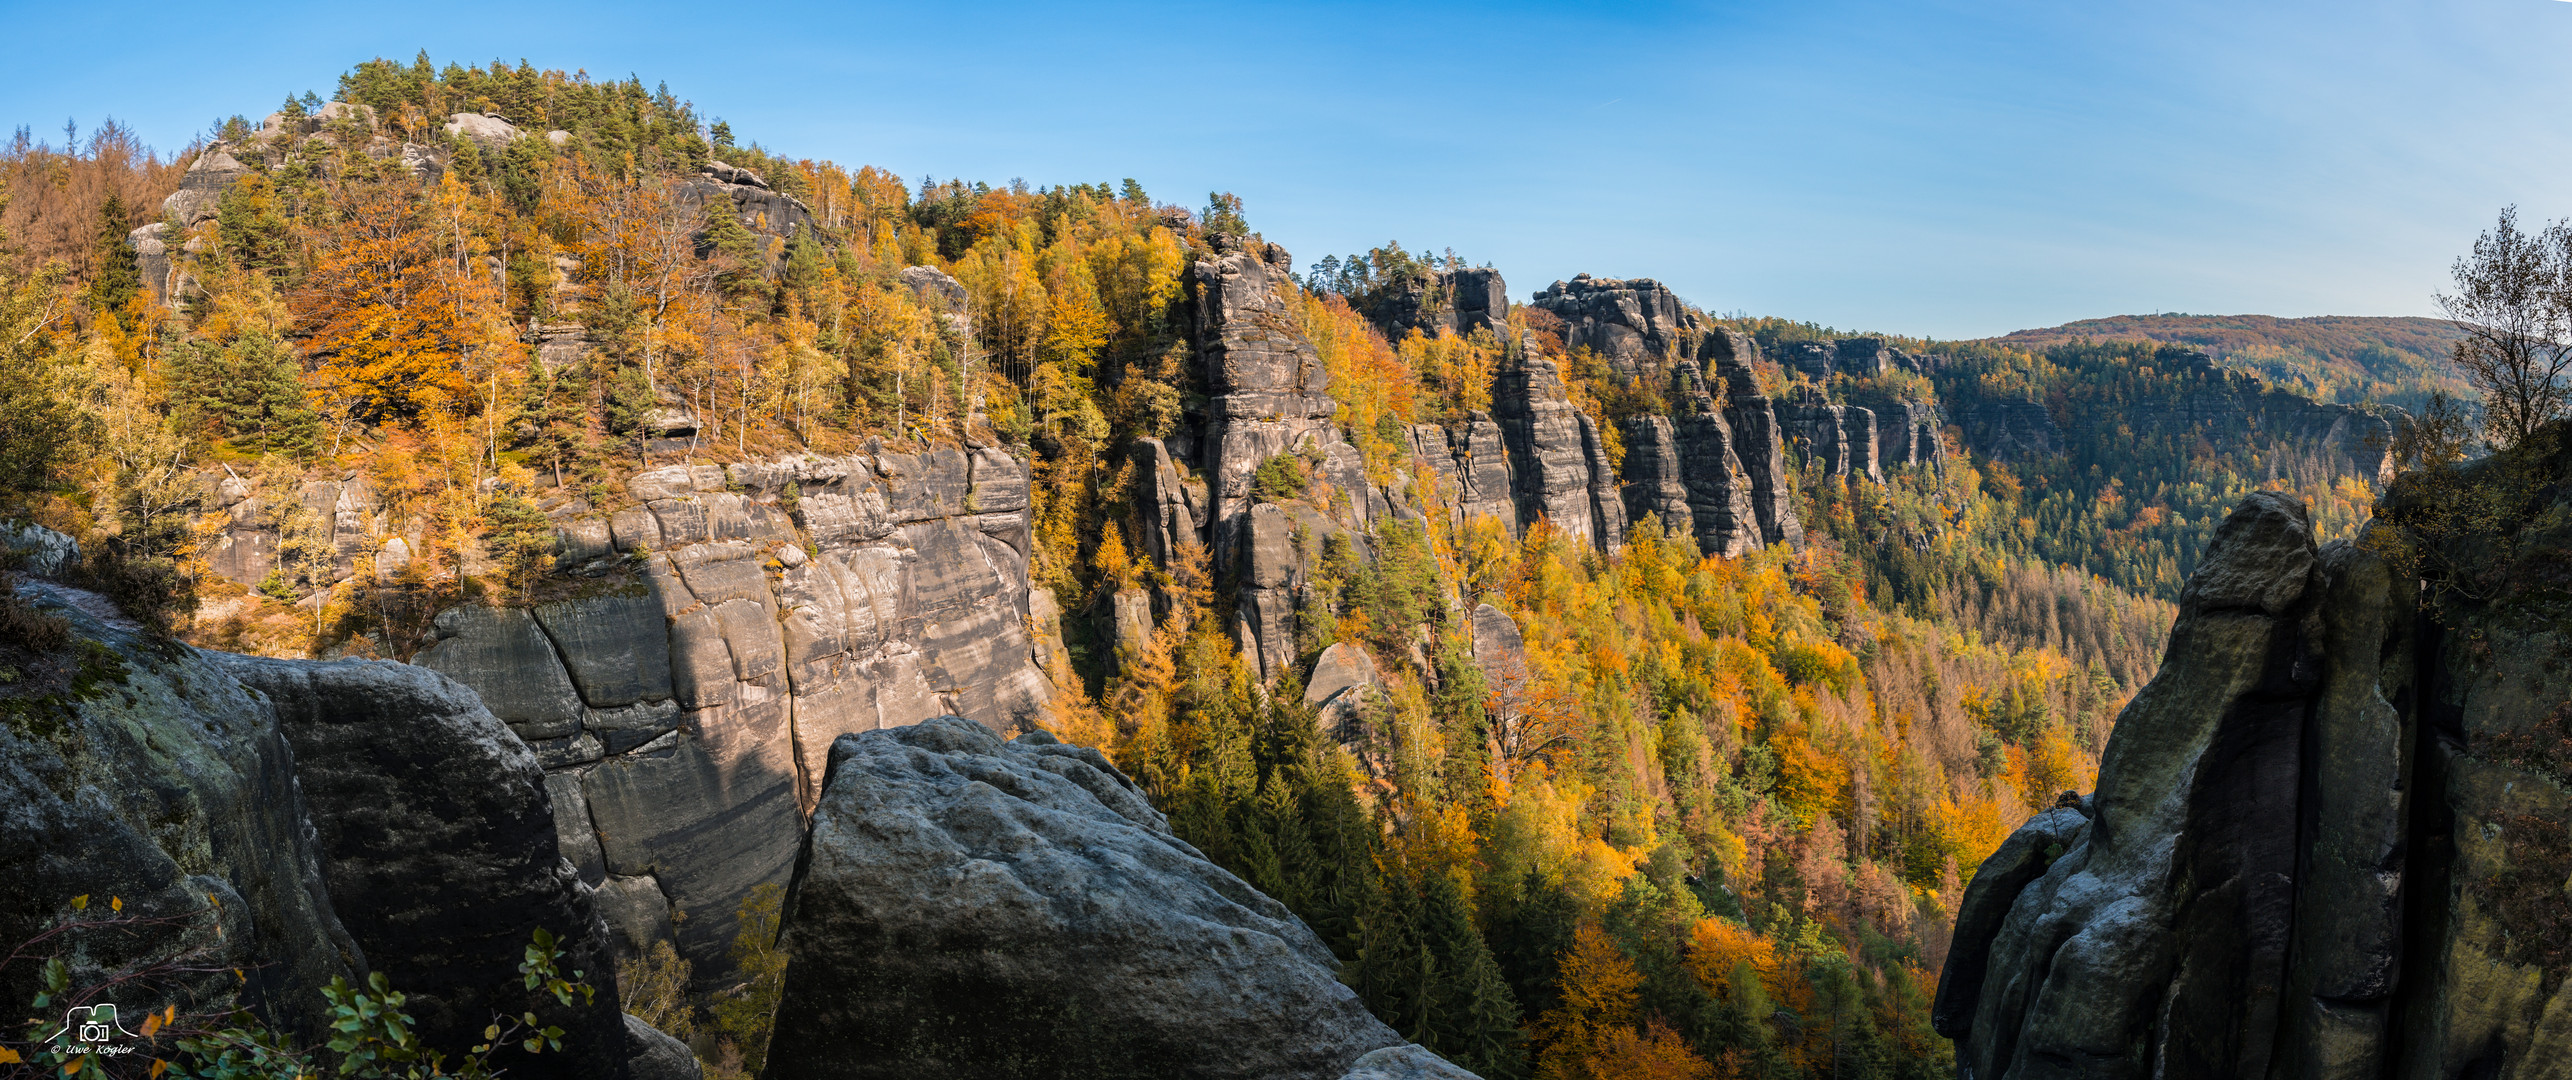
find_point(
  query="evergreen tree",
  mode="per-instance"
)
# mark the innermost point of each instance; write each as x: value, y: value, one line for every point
x: 1475, y: 1022
x: 119, y: 278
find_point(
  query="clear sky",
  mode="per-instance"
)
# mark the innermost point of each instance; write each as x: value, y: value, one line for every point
x: 1927, y: 167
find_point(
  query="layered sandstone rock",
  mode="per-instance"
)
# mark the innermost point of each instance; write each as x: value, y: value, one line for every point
x: 1458, y: 301
x: 1840, y: 439
x: 271, y: 825
x: 1557, y: 458
x: 439, y: 847
x: 2327, y: 838
x: 968, y: 907
x: 773, y: 607
x: 1628, y: 322
x: 1756, y: 437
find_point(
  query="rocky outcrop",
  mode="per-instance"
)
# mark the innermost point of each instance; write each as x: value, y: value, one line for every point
x: 1174, y: 501
x: 1471, y: 462
x: 265, y: 826
x: 2011, y: 430
x: 764, y: 609
x: 1722, y: 504
x: 438, y: 845
x: 1269, y: 392
x: 150, y: 775
x: 1558, y: 461
x: 1840, y: 439
x: 1627, y: 322
x: 489, y: 132
x: 965, y: 906
x: 1337, y: 689
x: 1906, y: 432
x: 759, y: 207
x: 1456, y: 301
x: 1756, y: 437
x: 2327, y: 839
x: 1857, y: 357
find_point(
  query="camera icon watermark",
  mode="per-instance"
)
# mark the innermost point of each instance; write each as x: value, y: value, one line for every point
x: 93, y: 1029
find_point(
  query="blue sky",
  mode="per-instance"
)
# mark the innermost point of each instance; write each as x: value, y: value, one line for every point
x: 1932, y: 167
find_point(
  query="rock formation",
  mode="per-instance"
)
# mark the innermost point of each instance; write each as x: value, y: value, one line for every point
x: 1269, y: 398
x: 685, y: 715
x: 2011, y: 430
x: 759, y: 207
x: 153, y: 776
x: 2327, y: 839
x: 1756, y: 437
x: 2202, y: 399
x: 438, y: 845
x: 1472, y: 464
x: 1269, y: 392
x: 968, y: 907
x: 1457, y: 301
x: 1858, y: 357
x: 294, y: 820
x: 1624, y: 321
x: 1557, y: 460
x: 1841, y: 439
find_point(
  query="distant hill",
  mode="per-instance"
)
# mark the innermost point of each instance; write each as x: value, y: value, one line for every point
x: 2340, y: 358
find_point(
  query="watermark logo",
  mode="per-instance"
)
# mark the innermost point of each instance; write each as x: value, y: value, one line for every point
x: 93, y: 1029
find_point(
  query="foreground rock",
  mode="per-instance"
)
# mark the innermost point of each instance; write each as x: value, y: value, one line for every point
x: 967, y: 907
x: 153, y: 777
x: 438, y: 843
x: 296, y: 821
x: 2329, y: 838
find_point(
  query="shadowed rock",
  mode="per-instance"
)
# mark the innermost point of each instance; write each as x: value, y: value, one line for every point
x: 965, y: 907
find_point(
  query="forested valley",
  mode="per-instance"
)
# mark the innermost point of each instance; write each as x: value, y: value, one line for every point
x: 1621, y: 796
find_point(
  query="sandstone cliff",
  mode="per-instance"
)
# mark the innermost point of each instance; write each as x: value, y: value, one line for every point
x: 1627, y: 322
x: 2327, y: 839
x: 769, y: 608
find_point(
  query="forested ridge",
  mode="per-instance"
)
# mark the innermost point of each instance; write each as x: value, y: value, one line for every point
x: 1715, y: 821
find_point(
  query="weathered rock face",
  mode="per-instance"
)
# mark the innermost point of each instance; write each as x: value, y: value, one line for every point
x: 1270, y: 394
x: 691, y: 709
x: 1625, y: 321
x: 489, y: 131
x: 1907, y: 433
x: 1457, y: 301
x: 1839, y: 438
x: 1756, y: 437
x: 163, y: 783
x: 300, y: 822
x: 1862, y: 357
x: 1176, y: 513
x: 2327, y: 839
x: 758, y: 207
x: 1721, y: 496
x: 972, y: 908
x: 1472, y: 464
x: 2201, y: 399
x: 1557, y: 459
x: 438, y: 844
x: 2011, y: 430
x: 1337, y: 689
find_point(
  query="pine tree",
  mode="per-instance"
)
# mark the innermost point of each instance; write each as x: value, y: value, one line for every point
x: 119, y: 278
x: 1476, y: 1019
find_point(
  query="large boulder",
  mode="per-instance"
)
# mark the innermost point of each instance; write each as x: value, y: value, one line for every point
x: 438, y: 845
x: 2329, y: 839
x: 133, y: 771
x: 968, y: 907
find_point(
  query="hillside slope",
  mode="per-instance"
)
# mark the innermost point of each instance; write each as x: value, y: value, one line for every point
x: 2333, y: 358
